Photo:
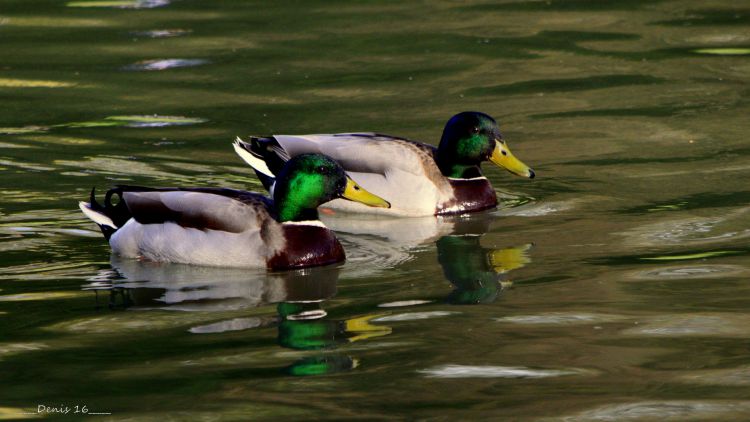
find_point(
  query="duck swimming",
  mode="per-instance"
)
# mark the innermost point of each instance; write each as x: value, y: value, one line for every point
x: 228, y: 227
x: 418, y: 179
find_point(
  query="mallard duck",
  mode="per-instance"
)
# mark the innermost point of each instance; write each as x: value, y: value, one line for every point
x: 418, y: 179
x: 227, y: 227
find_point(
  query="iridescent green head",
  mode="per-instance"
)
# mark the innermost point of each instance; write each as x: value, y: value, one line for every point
x: 309, y: 180
x: 469, y: 138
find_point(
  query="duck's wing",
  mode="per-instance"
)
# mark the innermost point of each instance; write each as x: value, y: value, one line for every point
x: 356, y: 152
x: 226, y: 210
x: 365, y: 152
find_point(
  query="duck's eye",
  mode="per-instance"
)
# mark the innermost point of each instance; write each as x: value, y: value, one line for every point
x: 321, y: 169
x: 475, y: 130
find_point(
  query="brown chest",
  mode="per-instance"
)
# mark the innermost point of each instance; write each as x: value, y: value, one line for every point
x: 306, y: 246
x: 470, y: 195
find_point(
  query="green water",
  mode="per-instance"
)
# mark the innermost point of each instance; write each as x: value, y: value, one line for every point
x: 611, y: 287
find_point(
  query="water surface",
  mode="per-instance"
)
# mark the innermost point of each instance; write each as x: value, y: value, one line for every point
x: 611, y: 287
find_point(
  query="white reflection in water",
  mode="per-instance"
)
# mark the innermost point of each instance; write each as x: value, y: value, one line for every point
x: 7, y: 349
x: 696, y: 230
x: 192, y: 288
x: 698, y: 324
x: 120, y: 4
x: 535, y: 209
x: 156, y: 120
x: 691, y: 272
x: 414, y: 316
x: 24, y: 166
x: 732, y: 376
x: 22, y: 130
x: 374, y: 244
x: 470, y: 371
x: 10, y: 146
x: 236, y: 324
x: 560, y: 318
x: 403, y: 303
x: 161, y: 33
x: 665, y: 410
x: 164, y: 64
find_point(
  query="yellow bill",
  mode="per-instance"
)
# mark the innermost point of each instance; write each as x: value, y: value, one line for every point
x: 363, y: 329
x: 502, y: 156
x: 357, y: 193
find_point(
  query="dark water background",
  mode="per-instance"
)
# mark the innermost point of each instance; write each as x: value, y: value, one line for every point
x: 612, y: 287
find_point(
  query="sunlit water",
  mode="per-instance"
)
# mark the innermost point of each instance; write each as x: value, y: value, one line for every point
x: 612, y: 287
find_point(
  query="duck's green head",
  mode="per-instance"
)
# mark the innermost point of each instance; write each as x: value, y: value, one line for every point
x: 309, y: 180
x: 470, y: 138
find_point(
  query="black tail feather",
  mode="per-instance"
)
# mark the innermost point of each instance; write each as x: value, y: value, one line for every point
x: 118, y: 213
x: 268, y: 150
x: 267, y: 181
x: 271, y: 152
x: 92, y: 201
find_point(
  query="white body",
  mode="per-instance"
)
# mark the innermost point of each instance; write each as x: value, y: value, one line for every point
x: 170, y: 242
x: 237, y: 242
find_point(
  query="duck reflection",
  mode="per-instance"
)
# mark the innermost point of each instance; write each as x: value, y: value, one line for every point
x: 300, y: 319
x: 146, y: 285
x: 478, y: 273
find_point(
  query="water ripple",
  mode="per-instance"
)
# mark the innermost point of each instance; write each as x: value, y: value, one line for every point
x: 414, y: 316
x: 731, y: 376
x: 236, y: 324
x: 691, y: 272
x: 164, y: 64
x: 22, y: 297
x: 162, y: 33
x: 698, y: 324
x: 22, y: 130
x: 402, y: 303
x: 560, y: 318
x: 691, y: 230
x: 662, y: 410
x: 120, y: 4
x: 470, y: 371
x: 535, y: 209
x: 7, y: 349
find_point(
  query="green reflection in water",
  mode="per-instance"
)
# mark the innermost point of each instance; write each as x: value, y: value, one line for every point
x: 474, y: 270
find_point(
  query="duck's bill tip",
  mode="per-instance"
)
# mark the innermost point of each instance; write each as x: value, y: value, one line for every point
x: 357, y: 193
x: 502, y: 157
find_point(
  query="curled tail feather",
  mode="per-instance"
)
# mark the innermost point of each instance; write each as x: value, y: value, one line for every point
x: 108, y: 217
x: 265, y: 156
